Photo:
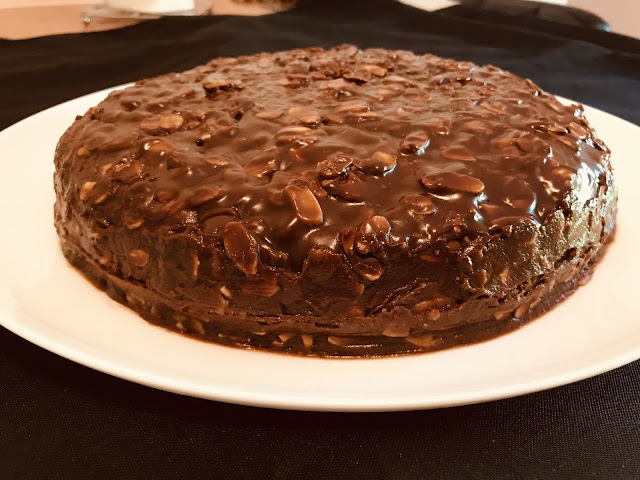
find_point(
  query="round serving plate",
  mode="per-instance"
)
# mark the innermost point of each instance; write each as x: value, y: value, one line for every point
x: 49, y: 303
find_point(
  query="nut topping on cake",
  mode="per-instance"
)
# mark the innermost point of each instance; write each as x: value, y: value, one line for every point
x: 240, y: 247
x: 335, y: 202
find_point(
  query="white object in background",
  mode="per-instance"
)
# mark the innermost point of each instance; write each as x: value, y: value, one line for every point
x: 152, y: 6
x: 432, y: 5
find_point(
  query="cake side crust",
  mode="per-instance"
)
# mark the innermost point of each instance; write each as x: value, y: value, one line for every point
x: 310, y: 336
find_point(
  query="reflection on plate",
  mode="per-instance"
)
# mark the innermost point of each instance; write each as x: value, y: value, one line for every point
x: 50, y: 304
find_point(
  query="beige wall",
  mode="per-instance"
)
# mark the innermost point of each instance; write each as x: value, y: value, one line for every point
x: 43, y: 3
x: 622, y: 15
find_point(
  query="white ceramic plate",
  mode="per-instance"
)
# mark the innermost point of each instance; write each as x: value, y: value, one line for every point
x: 50, y: 304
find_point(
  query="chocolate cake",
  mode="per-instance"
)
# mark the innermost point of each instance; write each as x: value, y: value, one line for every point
x: 335, y: 202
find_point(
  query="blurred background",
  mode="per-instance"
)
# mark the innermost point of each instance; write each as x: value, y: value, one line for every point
x: 30, y: 18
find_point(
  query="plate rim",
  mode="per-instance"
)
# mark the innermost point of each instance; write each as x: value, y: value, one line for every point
x: 293, y: 402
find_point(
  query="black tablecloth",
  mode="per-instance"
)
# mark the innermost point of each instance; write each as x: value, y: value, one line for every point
x: 61, y: 420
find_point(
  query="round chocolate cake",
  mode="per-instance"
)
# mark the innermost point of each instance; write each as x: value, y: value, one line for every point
x: 335, y: 202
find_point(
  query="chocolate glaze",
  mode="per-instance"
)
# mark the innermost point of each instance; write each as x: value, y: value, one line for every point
x: 375, y: 197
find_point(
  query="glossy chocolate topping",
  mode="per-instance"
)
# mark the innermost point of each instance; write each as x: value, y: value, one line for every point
x: 292, y: 161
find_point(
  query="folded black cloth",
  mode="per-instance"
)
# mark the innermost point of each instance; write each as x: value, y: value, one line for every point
x: 61, y: 420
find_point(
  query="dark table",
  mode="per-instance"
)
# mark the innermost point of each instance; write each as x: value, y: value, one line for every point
x: 62, y: 420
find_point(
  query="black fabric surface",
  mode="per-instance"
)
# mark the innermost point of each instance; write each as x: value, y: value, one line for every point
x: 61, y: 420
